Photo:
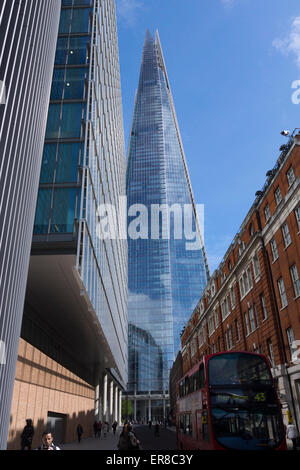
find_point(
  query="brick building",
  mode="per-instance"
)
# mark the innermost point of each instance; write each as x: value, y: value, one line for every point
x: 252, y: 301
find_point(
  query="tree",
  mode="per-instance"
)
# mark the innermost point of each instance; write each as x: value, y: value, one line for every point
x: 127, y: 408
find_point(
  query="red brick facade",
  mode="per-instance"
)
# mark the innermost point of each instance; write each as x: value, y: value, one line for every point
x: 252, y: 301
x: 41, y: 386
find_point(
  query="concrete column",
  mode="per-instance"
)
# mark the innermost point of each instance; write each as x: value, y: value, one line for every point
x: 97, y: 400
x: 134, y: 409
x: 164, y: 403
x: 104, y: 398
x: 120, y: 408
x: 116, y: 404
x: 111, y: 397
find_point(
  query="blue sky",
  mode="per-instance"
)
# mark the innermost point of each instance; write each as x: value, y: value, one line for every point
x: 231, y: 66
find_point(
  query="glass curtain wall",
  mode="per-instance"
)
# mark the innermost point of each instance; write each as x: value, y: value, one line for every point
x: 165, y: 279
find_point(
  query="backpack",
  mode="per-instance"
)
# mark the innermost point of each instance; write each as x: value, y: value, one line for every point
x: 133, y: 443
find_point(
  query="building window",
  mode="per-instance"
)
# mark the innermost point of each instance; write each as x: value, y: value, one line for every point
x: 211, y: 325
x: 242, y: 247
x: 295, y: 279
x: 225, y: 308
x: 282, y: 292
x: 255, y: 314
x: 228, y: 338
x: 216, y: 318
x: 252, y: 319
x: 277, y: 195
x: 297, y: 214
x: 247, y: 323
x: 286, y: 235
x: 290, y: 338
x: 237, y: 330
x: 246, y: 282
x: 201, y: 337
x: 267, y: 212
x: 256, y: 266
x: 232, y: 297
x: 274, y: 249
x: 213, y: 289
x: 290, y: 175
x: 251, y: 230
x: 201, y: 306
x: 271, y: 352
x: 263, y: 307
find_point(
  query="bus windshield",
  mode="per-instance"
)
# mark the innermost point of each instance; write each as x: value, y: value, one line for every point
x: 244, y: 408
x: 238, y: 368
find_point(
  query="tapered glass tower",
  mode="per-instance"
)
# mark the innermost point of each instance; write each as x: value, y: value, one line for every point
x: 167, y: 266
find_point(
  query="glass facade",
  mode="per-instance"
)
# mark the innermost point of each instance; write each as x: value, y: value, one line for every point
x: 84, y: 161
x: 165, y: 278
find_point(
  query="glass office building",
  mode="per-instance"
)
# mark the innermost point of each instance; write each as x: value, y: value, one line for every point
x: 166, y: 274
x: 83, y: 167
x: 28, y: 31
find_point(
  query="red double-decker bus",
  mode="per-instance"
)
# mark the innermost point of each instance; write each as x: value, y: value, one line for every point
x: 229, y: 401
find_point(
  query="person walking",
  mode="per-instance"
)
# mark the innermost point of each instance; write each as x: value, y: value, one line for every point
x: 99, y: 428
x: 27, y: 435
x: 47, y: 442
x: 156, y: 430
x: 95, y: 426
x: 128, y: 439
x: 291, y: 433
x: 79, y: 432
x: 114, y: 426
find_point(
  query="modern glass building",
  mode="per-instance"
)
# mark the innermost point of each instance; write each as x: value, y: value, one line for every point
x: 28, y: 31
x: 166, y: 272
x: 76, y: 299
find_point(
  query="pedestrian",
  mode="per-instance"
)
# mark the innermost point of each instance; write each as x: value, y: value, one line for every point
x: 47, y: 442
x: 79, y: 432
x: 99, y: 428
x: 95, y: 426
x: 27, y: 435
x: 106, y: 429
x: 114, y: 426
x: 134, y: 442
x: 156, y: 430
x: 150, y: 423
x: 291, y: 433
x: 128, y: 439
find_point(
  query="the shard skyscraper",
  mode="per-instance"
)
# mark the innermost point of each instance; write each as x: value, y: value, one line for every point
x: 167, y: 272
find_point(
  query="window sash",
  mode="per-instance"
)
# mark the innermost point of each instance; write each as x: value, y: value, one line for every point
x: 290, y: 175
x: 286, y: 234
x: 297, y: 214
x: 274, y: 249
x: 278, y: 196
x: 282, y: 292
x: 295, y: 279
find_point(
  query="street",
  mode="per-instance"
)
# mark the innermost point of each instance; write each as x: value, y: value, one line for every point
x: 165, y: 441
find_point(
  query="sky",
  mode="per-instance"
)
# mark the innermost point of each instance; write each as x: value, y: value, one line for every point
x: 234, y: 72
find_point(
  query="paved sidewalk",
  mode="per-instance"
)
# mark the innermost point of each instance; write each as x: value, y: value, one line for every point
x: 109, y: 442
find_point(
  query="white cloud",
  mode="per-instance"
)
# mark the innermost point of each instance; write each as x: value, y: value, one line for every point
x: 128, y: 11
x: 290, y: 44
